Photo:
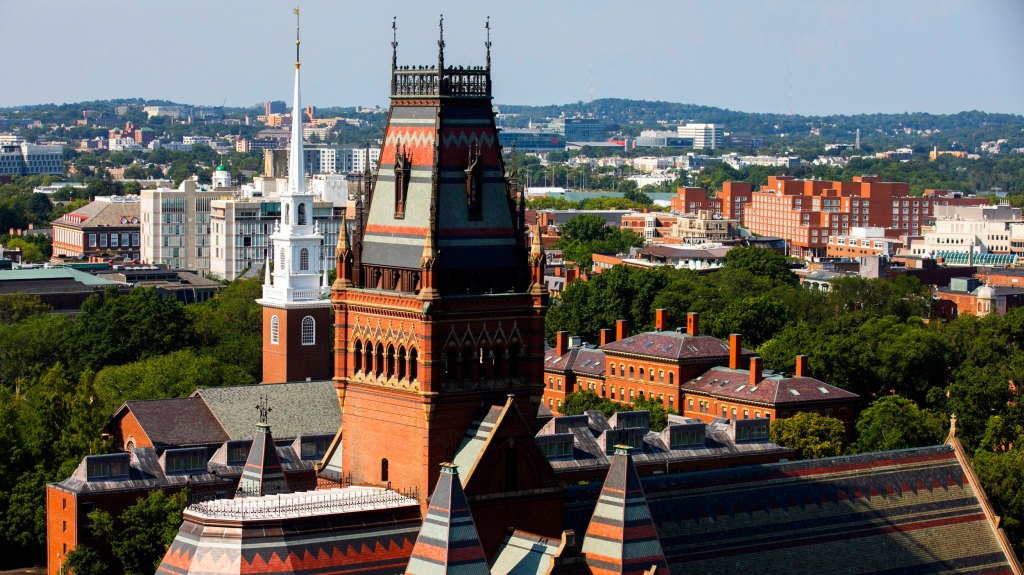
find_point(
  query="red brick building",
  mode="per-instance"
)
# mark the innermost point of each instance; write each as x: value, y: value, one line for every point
x: 807, y: 212
x: 692, y: 200
x: 107, y: 227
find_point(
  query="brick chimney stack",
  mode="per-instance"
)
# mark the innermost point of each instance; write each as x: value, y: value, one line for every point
x: 755, y: 370
x: 606, y: 335
x: 801, y: 366
x: 735, y: 350
x: 561, y: 343
x: 661, y: 319
x: 693, y: 323
x: 621, y: 329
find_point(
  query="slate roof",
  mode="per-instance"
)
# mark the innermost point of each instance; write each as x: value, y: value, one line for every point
x: 774, y: 389
x: 448, y: 541
x: 582, y: 360
x: 303, y: 408
x: 671, y: 345
x: 621, y: 537
x: 176, y: 422
x: 103, y: 213
x: 524, y: 553
x: 54, y: 274
x: 263, y: 473
x: 908, y: 511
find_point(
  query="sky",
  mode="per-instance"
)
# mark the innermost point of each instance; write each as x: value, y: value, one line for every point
x: 800, y: 57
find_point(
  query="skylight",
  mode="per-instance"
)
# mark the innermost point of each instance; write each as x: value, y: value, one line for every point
x: 740, y: 388
x: 794, y: 392
x: 822, y: 389
x: 648, y: 345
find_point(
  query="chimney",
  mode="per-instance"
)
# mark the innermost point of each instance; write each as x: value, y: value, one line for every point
x: 561, y: 343
x: 661, y: 319
x: 606, y: 336
x: 801, y: 366
x: 693, y: 323
x: 571, y: 274
x: 755, y: 370
x: 735, y: 350
x: 621, y: 329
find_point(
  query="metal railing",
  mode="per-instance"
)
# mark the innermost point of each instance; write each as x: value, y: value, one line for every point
x: 305, y: 504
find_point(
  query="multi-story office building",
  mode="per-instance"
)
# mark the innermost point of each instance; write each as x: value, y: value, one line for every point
x: 862, y: 242
x: 240, y: 230
x: 580, y: 129
x: 531, y: 139
x: 18, y: 158
x: 706, y: 136
x: 805, y: 213
x: 977, y: 229
x: 107, y: 227
x: 663, y: 139
x: 703, y: 226
x: 176, y: 225
x: 274, y: 107
x: 321, y: 160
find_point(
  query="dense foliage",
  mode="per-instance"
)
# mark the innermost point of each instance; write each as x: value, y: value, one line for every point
x: 811, y: 434
x: 61, y: 378
x: 140, y: 536
x: 586, y: 235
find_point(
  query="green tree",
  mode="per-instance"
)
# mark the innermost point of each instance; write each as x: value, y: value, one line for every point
x: 16, y: 307
x: 894, y: 422
x: 1002, y: 477
x: 811, y: 434
x: 139, y: 537
x: 30, y: 252
x: 84, y: 560
x: 229, y: 327
x: 761, y: 262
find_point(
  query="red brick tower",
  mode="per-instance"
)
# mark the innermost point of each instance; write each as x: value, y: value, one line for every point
x: 437, y: 304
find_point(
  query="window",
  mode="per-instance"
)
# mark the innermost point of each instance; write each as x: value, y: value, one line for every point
x: 641, y: 373
x: 671, y: 378
x: 631, y: 372
x: 302, y: 214
x: 304, y: 259
x: 135, y: 240
x: 308, y: 330
x: 103, y: 240
x: 274, y: 329
x: 280, y: 260
x: 384, y: 470
x: 690, y: 404
x: 92, y: 240
x: 661, y: 376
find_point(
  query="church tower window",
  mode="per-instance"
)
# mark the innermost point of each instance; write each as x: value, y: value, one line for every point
x: 274, y: 330
x: 280, y: 260
x: 302, y: 214
x: 308, y: 330
x: 304, y: 259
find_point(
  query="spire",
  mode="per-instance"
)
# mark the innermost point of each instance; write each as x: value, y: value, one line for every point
x: 537, y: 286
x: 262, y: 474
x: 487, y: 44
x: 296, y: 156
x: 621, y: 537
x: 394, y: 42
x: 440, y: 48
x: 448, y: 542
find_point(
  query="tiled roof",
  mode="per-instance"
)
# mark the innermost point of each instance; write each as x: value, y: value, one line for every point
x: 670, y: 345
x: 176, y: 422
x: 262, y: 474
x: 103, y: 213
x: 304, y: 408
x: 448, y: 541
x: 584, y: 360
x: 774, y: 389
x: 909, y: 511
x: 621, y: 537
x: 475, y: 440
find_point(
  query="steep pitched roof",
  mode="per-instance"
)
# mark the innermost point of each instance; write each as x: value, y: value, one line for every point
x: 448, y: 542
x: 582, y: 360
x: 524, y: 553
x: 176, y: 422
x: 621, y: 537
x: 262, y: 474
x: 774, y: 389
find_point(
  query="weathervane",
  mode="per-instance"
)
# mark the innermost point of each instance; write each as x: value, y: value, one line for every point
x: 264, y: 408
x: 487, y: 44
x: 440, y: 46
x: 394, y: 42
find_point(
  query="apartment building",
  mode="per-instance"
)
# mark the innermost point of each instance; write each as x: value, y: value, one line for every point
x: 708, y: 136
x: 978, y: 229
x: 176, y: 225
x: 805, y: 213
x: 108, y: 228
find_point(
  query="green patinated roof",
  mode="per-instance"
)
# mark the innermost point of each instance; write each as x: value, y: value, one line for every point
x: 43, y: 274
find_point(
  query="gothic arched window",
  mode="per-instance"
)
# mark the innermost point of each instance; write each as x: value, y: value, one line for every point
x: 304, y: 259
x: 357, y: 357
x: 308, y: 330
x: 274, y: 329
x: 302, y: 214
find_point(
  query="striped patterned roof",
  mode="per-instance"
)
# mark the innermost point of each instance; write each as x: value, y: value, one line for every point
x: 262, y: 474
x: 621, y: 538
x: 448, y: 541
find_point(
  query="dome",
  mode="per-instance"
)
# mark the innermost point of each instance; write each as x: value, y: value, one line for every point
x: 986, y: 292
x: 221, y: 168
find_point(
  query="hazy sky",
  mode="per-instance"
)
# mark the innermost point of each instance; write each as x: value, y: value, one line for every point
x: 812, y: 57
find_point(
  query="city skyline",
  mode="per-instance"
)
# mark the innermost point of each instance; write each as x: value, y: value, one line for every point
x: 800, y: 57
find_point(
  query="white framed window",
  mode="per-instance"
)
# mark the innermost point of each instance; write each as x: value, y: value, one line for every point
x: 308, y: 330
x: 304, y: 259
x: 274, y: 330
x: 280, y: 260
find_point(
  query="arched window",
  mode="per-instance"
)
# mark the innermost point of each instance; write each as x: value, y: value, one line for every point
x: 274, y: 329
x: 357, y: 357
x: 650, y: 373
x: 631, y: 372
x: 401, y: 362
x: 413, y: 369
x: 384, y: 471
x: 302, y: 214
x: 378, y: 360
x: 308, y: 330
x: 671, y: 378
x: 390, y: 371
x: 280, y: 261
x: 641, y: 374
x: 304, y: 259
x: 661, y: 376
x: 287, y: 213
x: 622, y: 370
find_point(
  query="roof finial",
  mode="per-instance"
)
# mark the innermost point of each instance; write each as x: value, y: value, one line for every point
x: 487, y: 44
x: 440, y: 46
x: 296, y: 11
x: 394, y: 42
x: 264, y: 408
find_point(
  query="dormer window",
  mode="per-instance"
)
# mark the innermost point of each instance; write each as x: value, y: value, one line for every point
x: 474, y: 184
x: 403, y: 169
